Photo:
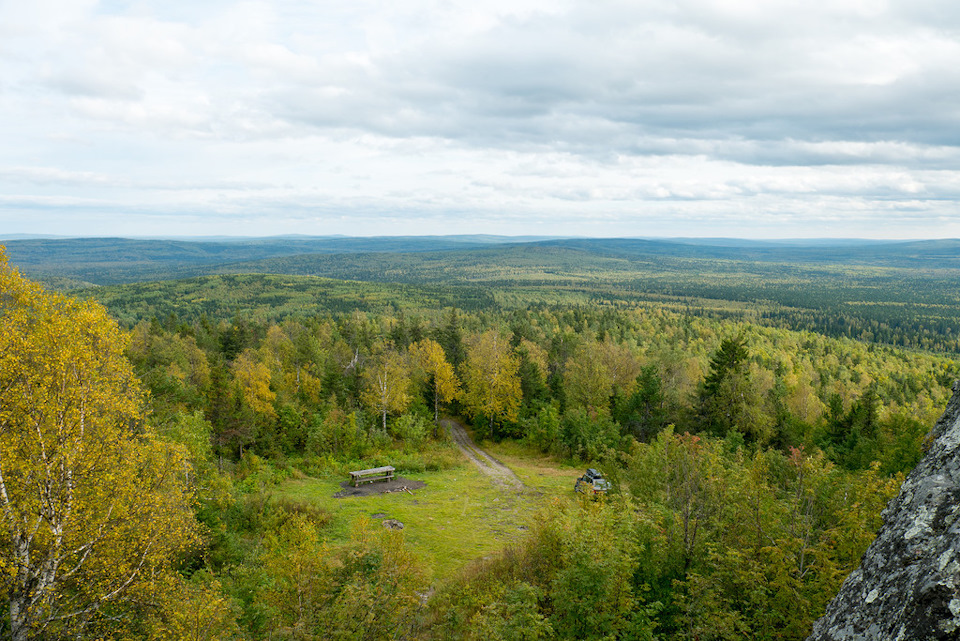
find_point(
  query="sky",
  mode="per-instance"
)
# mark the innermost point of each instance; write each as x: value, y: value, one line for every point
x: 736, y: 118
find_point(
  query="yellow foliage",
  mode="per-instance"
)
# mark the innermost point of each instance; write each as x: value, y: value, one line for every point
x: 92, y: 505
x: 429, y: 357
x: 387, y: 385
x: 253, y: 377
x: 490, y: 375
x: 194, y: 610
x: 596, y: 370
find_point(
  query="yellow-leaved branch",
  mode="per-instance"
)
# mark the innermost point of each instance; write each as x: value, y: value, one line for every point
x: 93, y: 508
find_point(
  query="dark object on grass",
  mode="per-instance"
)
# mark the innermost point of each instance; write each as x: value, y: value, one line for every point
x: 592, y: 483
x: 398, y: 484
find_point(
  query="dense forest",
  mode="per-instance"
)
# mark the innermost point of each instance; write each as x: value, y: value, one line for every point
x: 893, y: 293
x: 752, y: 433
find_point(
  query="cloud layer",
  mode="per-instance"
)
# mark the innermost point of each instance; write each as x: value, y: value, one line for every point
x: 603, y: 117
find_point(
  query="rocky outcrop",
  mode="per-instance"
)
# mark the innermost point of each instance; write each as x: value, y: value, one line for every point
x: 908, y: 584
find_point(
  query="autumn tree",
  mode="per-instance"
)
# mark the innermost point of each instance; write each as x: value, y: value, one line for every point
x: 253, y: 379
x: 92, y: 506
x: 598, y: 369
x: 431, y: 360
x: 194, y: 610
x: 387, y: 385
x: 292, y: 353
x: 490, y: 376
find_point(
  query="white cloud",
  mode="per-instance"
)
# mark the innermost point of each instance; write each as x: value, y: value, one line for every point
x: 439, y: 115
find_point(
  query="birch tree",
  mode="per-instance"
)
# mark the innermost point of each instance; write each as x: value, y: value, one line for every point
x: 387, y: 385
x: 491, y: 378
x: 429, y: 357
x: 93, y: 510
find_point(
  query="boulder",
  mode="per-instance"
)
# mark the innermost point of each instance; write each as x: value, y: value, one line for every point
x: 907, y: 587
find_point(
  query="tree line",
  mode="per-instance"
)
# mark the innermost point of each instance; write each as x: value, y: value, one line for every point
x: 577, y: 381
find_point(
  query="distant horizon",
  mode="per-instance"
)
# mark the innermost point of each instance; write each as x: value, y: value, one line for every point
x: 518, y: 237
x: 696, y: 118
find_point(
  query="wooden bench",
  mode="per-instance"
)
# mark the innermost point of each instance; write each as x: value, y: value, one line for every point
x: 384, y: 473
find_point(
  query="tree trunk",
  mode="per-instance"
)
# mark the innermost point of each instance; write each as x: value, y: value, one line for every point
x: 18, y: 623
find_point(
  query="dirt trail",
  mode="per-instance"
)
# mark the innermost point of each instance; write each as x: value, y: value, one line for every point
x: 487, y: 464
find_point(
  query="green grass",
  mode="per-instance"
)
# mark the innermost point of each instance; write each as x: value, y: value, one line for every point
x: 460, y: 516
x: 539, y: 472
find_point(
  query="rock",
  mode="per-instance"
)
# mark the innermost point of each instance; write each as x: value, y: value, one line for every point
x: 393, y: 524
x: 907, y: 587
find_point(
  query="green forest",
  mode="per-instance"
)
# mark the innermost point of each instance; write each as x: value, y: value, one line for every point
x: 169, y: 450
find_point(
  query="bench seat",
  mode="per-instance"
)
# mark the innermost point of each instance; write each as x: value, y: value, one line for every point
x: 384, y: 473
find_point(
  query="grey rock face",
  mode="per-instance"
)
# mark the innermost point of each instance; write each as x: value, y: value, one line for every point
x: 907, y: 587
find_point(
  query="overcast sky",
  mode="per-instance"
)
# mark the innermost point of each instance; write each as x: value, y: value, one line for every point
x: 748, y: 118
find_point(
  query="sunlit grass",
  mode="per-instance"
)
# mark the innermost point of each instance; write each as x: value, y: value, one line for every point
x: 461, y: 515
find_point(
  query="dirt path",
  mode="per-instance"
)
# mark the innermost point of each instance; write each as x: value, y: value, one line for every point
x: 487, y: 464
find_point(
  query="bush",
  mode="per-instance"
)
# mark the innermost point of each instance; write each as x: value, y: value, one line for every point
x: 337, y: 433
x: 589, y: 437
x: 411, y: 429
x: 542, y: 430
x: 559, y: 583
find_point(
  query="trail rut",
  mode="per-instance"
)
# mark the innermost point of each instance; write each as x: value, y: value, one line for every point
x: 490, y: 466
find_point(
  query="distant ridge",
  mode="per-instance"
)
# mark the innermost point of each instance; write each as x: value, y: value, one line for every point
x: 4, y: 237
x: 479, y: 238
x: 795, y: 242
x: 104, y: 261
x: 465, y: 238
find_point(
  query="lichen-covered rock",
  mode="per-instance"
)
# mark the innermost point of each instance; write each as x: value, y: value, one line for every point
x: 908, y: 584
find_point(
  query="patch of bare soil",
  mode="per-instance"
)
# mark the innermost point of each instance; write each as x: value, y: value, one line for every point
x: 398, y: 484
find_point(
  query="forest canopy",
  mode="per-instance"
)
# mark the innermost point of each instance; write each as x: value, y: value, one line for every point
x: 749, y: 462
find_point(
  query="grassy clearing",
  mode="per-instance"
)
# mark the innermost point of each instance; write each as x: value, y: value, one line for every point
x: 539, y: 472
x: 461, y: 515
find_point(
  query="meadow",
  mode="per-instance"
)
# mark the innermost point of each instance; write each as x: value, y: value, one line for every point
x: 460, y: 516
